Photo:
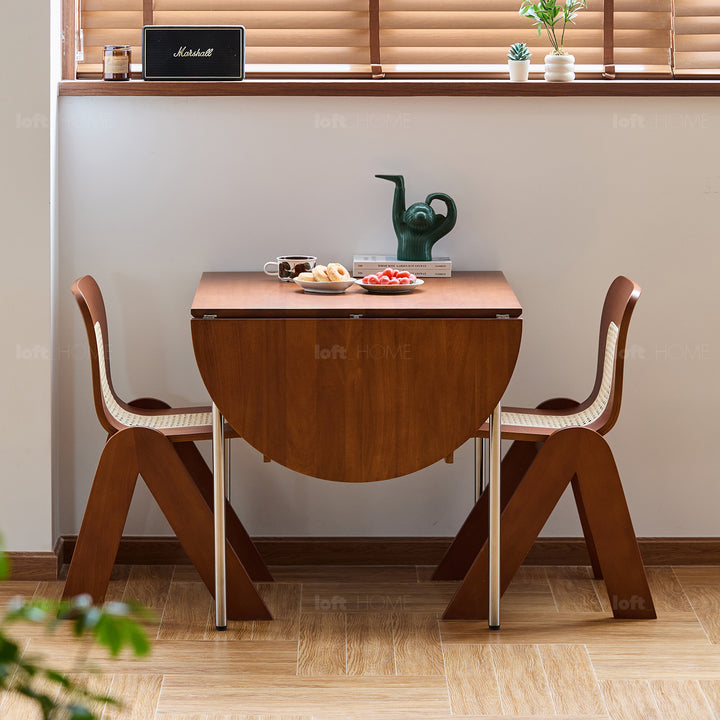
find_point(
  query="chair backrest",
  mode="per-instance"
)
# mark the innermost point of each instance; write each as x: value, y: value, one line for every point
x: 606, y: 395
x: 89, y: 298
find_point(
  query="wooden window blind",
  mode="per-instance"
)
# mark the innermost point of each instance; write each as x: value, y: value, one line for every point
x: 642, y: 38
x: 421, y: 38
x: 697, y: 38
x: 413, y: 38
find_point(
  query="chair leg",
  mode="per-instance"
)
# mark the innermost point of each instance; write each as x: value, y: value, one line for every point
x: 202, y: 476
x: 474, y: 531
x: 589, y: 542
x: 191, y: 519
x: 567, y: 453
x: 237, y: 535
x: 104, y: 519
x: 612, y: 530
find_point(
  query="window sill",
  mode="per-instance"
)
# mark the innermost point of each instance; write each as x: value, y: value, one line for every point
x: 395, y: 88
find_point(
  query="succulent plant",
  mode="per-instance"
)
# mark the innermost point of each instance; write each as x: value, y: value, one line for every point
x: 519, y: 51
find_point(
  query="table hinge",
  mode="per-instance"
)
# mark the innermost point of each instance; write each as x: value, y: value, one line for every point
x: 356, y: 316
x: 502, y: 317
x: 209, y: 317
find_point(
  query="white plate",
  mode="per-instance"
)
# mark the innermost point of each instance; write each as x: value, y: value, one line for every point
x: 390, y: 289
x: 325, y: 288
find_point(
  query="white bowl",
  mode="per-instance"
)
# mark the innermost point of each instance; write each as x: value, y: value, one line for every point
x: 325, y: 288
x: 390, y: 289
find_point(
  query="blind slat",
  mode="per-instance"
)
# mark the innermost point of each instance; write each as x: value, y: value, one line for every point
x: 335, y: 34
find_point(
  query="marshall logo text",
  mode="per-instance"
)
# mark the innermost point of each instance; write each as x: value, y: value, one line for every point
x: 184, y: 52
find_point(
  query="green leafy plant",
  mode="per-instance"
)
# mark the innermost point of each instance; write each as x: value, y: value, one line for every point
x: 519, y: 51
x: 548, y: 14
x: 58, y: 695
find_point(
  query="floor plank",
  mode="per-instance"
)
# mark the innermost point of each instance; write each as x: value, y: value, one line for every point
x: 322, y: 646
x: 99, y: 685
x: 417, y: 644
x: 522, y: 681
x: 572, y: 680
x: 149, y: 585
x: 667, y: 593
x: 680, y: 700
x: 702, y: 587
x: 283, y: 601
x: 376, y: 597
x: 630, y: 700
x: 139, y: 695
x: 344, y: 574
x: 651, y: 661
x: 194, y: 659
x: 18, y: 707
x: 471, y: 679
x: 711, y: 690
x: 361, y: 697
x: 186, y: 613
x: 573, y: 589
x: 370, y: 649
x: 577, y: 629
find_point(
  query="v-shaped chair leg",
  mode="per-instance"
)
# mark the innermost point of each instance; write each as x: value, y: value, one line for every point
x: 202, y: 475
x: 104, y: 519
x: 567, y: 453
x: 152, y: 455
x: 474, y: 531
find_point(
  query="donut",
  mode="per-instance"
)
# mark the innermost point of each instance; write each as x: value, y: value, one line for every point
x: 319, y: 274
x: 336, y: 272
x: 305, y: 277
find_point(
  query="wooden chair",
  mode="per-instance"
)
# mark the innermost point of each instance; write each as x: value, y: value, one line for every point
x: 557, y: 443
x: 149, y: 438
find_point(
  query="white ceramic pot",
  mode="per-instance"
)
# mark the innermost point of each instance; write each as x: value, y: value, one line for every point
x: 519, y: 70
x: 559, y: 68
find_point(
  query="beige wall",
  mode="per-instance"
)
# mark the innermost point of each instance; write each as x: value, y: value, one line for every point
x: 25, y: 291
x: 562, y: 194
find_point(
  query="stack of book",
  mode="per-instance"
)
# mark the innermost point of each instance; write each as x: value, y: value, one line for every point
x: 364, y: 265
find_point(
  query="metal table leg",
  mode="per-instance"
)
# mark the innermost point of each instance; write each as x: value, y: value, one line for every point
x: 482, y: 466
x: 218, y: 426
x: 494, y: 519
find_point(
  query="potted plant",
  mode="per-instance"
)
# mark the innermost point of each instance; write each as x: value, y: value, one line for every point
x: 519, y: 62
x: 548, y: 14
x: 57, y: 694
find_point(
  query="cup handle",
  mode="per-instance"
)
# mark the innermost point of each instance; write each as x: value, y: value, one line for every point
x: 273, y: 272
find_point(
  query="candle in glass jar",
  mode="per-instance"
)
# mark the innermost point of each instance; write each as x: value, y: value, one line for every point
x: 116, y: 62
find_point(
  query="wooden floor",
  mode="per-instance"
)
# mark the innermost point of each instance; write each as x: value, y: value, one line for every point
x: 367, y: 643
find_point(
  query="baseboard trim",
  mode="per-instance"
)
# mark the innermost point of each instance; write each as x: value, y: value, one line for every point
x: 398, y: 551
x: 37, y: 566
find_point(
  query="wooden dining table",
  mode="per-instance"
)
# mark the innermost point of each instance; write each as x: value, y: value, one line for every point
x: 356, y: 387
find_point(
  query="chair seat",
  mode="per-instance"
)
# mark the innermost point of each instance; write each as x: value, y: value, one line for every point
x: 198, y: 418
x: 533, y: 424
x: 177, y: 424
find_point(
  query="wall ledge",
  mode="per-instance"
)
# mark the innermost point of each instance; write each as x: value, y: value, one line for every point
x: 393, y: 88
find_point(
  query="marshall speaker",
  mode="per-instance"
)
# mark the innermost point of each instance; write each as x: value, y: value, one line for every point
x: 193, y: 52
